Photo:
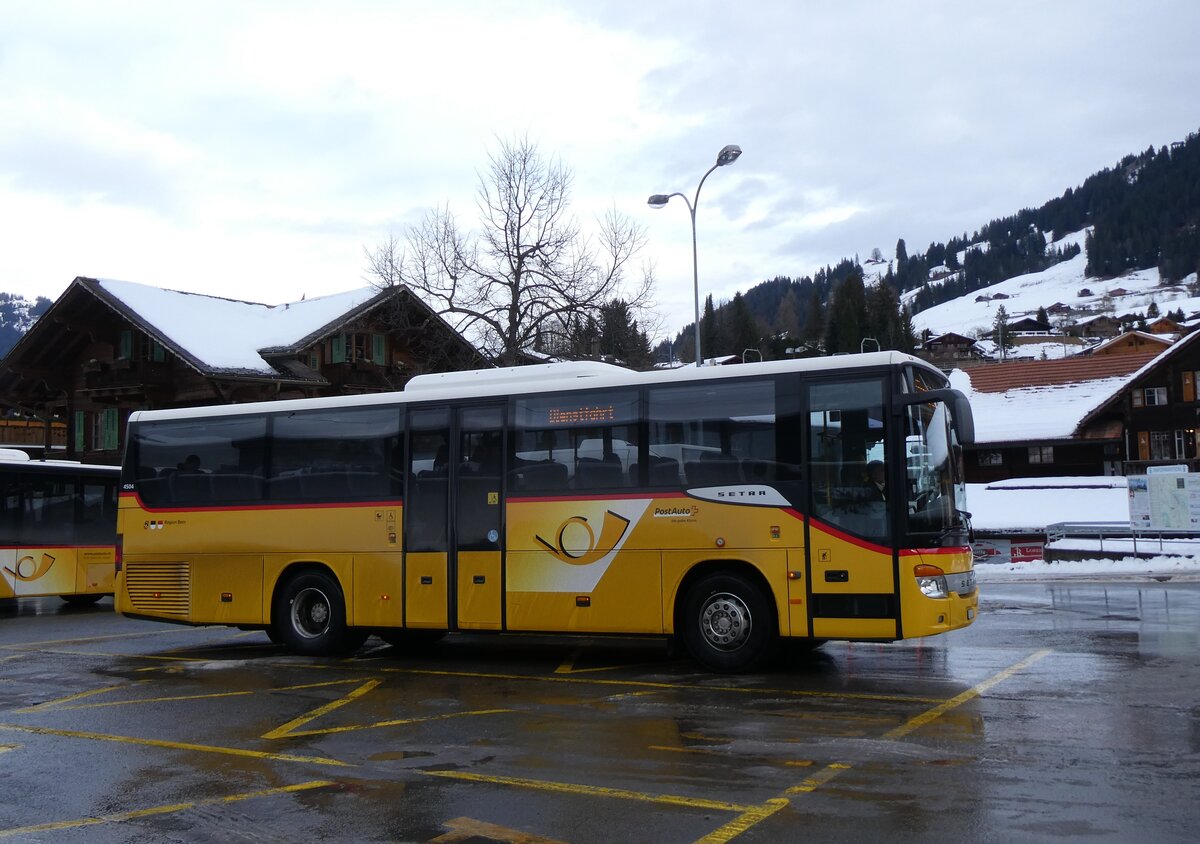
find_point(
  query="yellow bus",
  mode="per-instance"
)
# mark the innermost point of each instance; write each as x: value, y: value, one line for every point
x: 58, y: 524
x: 727, y: 506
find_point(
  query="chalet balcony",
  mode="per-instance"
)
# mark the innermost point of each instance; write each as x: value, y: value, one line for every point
x: 124, y: 375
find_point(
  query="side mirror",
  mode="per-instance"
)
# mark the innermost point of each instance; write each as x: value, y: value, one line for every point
x: 960, y: 410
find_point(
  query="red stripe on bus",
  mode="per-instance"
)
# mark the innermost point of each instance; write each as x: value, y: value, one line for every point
x: 239, y: 507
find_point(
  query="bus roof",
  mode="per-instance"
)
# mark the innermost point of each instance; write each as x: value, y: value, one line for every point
x: 551, y: 377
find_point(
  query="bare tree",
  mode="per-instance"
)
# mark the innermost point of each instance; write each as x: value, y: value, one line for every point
x: 529, y: 272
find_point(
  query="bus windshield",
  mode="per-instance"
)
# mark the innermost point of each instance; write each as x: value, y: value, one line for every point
x: 936, y: 492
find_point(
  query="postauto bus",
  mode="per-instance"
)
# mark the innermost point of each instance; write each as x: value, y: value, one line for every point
x: 730, y: 507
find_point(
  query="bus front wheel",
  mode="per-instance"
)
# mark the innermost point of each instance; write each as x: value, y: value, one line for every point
x: 310, y: 616
x: 728, y: 624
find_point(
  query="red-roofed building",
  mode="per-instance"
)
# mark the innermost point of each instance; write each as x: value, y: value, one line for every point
x: 1101, y: 414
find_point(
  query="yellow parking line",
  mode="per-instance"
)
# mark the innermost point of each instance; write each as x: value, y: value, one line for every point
x: 637, y: 684
x: 958, y: 700
x: 832, y: 770
x: 744, y: 821
x: 206, y: 696
x: 469, y: 829
x: 820, y: 778
x: 286, y: 729
x: 596, y: 791
x: 399, y: 722
x: 177, y: 745
x: 119, y: 817
x: 50, y: 703
x: 35, y: 645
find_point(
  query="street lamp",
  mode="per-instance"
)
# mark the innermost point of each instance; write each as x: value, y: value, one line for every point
x: 727, y: 155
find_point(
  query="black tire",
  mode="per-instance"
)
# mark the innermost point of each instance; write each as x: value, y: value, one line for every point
x: 728, y: 623
x: 81, y: 600
x: 310, y: 616
x: 410, y: 640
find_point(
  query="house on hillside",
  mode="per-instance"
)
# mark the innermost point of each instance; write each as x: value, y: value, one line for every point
x: 1086, y: 415
x: 1164, y: 325
x: 106, y: 348
x: 1101, y: 325
x: 949, y: 348
x: 1131, y: 343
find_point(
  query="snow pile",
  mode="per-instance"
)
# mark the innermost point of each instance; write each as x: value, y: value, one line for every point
x: 1029, y: 504
x: 1149, y: 568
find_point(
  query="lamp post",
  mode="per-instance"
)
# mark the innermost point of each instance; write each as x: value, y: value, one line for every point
x: 727, y: 155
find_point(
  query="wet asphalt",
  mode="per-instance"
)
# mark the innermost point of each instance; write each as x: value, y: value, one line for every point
x: 1068, y: 712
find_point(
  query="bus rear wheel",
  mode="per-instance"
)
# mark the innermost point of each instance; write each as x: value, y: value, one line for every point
x: 728, y: 623
x: 310, y: 616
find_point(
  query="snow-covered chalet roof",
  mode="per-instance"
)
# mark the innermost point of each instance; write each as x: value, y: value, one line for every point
x: 227, y: 335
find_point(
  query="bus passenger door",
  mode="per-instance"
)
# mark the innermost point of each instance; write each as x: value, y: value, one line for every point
x: 478, y: 506
x: 851, y: 561
x: 427, y: 522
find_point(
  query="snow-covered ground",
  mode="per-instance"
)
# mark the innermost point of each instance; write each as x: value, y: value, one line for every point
x: 1061, y: 283
x: 1030, y: 504
x: 1131, y: 568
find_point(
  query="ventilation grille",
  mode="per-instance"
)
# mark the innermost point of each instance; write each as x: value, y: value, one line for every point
x: 164, y: 588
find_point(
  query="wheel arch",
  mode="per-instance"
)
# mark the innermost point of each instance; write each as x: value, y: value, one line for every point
x: 730, y: 566
x: 299, y: 567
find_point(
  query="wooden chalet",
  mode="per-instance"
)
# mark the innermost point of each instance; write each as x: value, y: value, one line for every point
x: 106, y: 348
x: 1086, y: 415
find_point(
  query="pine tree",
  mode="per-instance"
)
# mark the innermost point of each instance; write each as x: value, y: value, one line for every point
x: 1042, y: 316
x: 847, y: 316
x: 1000, y: 332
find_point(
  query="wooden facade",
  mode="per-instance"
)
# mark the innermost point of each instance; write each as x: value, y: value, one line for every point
x: 92, y: 359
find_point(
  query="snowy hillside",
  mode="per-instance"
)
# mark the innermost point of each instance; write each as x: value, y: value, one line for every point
x: 1063, y: 283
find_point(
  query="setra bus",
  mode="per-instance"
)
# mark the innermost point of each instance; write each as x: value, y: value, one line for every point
x: 58, y: 524
x: 727, y: 506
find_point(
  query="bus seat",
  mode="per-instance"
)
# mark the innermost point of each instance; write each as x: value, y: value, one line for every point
x: 664, y: 471
x: 591, y: 473
x: 332, y: 486
x: 758, y: 471
x: 189, y: 488
x: 713, y: 470
x: 236, y: 487
x: 548, y: 476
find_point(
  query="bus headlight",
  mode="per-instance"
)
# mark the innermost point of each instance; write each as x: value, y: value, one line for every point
x: 931, y: 580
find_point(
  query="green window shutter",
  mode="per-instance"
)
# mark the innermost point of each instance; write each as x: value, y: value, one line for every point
x: 159, y: 353
x: 126, y: 344
x: 339, y: 349
x: 378, y: 349
x: 110, y: 424
x: 80, y: 421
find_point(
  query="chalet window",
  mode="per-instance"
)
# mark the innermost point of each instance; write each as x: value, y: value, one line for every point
x: 1041, y: 454
x: 1162, y: 445
x: 991, y: 458
x: 126, y: 347
x: 378, y: 349
x: 104, y: 430
x: 1189, y: 385
x: 1150, y: 397
x: 1185, y: 444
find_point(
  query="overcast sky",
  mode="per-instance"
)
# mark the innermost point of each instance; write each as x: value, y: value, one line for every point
x: 253, y: 150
